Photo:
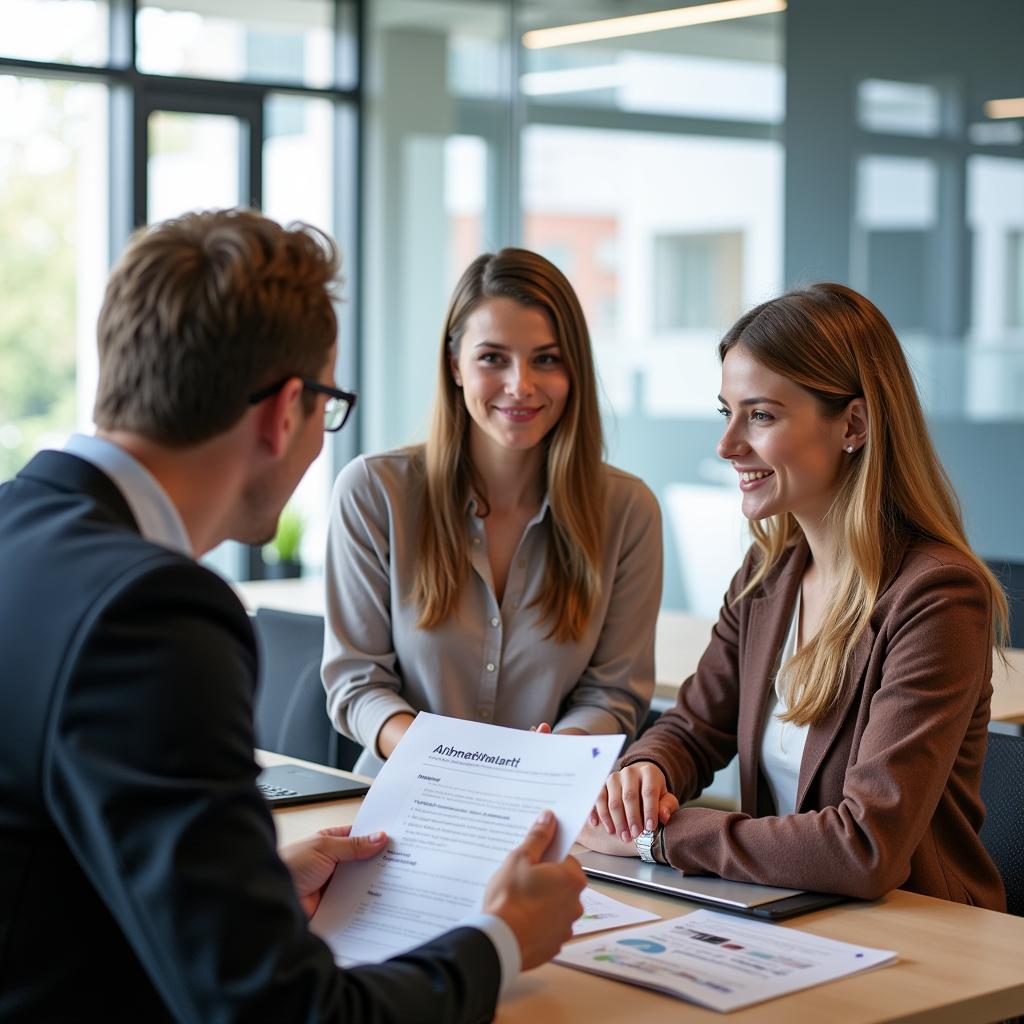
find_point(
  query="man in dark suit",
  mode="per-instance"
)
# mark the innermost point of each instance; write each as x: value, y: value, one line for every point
x: 138, y: 873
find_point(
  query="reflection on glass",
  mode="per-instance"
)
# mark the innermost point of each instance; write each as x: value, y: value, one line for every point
x: 61, y: 31
x: 476, y: 58
x: 897, y: 211
x: 995, y: 350
x: 1015, y: 280
x: 729, y: 71
x: 195, y: 163
x: 298, y: 172
x: 53, y: 220
x: 297, y: 160
x: 439, y: 187
x: 665, y: 247
x: 465, y: 199
x: 274, y: 42
x: 690, y: 85
x: 698, y: 279
x: 899, y: 108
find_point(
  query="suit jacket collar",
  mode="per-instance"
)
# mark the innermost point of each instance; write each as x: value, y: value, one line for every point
x: 73, y: 475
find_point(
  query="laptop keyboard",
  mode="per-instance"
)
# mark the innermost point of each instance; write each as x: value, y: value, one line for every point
x: 275, y: 792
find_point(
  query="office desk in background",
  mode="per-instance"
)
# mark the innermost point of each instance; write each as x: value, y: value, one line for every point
x: 958, y: 965
x: 681, y: 640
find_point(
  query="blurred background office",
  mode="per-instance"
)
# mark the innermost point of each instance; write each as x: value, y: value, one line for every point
x: 677, y: 174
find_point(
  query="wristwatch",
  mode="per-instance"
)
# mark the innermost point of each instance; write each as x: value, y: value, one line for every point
x: 646, y: 843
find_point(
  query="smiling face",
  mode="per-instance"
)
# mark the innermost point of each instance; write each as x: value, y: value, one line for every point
x: 789, y: 456
x: 513, y: 380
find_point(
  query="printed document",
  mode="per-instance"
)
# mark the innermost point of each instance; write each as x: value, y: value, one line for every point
x: 454, y: 798
x: 720, y: 961
x: 601, y: 913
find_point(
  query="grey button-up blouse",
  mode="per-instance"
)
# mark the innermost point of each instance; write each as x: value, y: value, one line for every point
x: 487, y: 662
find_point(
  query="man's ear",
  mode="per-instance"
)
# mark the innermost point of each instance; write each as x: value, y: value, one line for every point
x: 279, y: 416
x: 855, y: 434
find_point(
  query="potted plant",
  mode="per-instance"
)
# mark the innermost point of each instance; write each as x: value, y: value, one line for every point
x: 281, y: 556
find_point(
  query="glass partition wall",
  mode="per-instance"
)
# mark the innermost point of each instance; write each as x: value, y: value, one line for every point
x: 680, y: 176
x: 677, y: 176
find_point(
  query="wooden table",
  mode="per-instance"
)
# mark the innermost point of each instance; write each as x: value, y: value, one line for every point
x: 1008, y: 688
x: 957, y: 964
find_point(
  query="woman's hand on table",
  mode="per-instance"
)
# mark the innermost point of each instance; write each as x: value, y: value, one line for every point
x: 392, y: 732
x: 595, y: 837
x: 632, y: 800
x: 312, y: 861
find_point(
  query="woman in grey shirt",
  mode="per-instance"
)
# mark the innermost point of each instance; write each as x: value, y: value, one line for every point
x: 502, y: 571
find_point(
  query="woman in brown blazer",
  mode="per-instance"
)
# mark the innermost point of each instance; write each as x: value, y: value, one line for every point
x: 850, y: 665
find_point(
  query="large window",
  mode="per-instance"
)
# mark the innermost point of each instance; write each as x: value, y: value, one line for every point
x: 53, y: 222
x: 218, y: 106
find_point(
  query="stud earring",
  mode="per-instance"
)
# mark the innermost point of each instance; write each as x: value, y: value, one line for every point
x: 849, y: 449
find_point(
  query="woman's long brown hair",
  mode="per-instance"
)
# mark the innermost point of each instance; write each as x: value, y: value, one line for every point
x: 837, y: 345
x: 572, y: 470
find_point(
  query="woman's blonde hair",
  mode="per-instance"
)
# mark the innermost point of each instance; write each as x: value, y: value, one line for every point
x: 837, y: 345
x: 573, y: 451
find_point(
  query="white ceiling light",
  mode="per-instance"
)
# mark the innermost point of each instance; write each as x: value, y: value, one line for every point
x: 1005, y: 108
x: 656, y: 21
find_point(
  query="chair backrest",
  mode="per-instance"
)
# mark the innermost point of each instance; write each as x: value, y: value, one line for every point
x: 1002, y: 789
x: 291, y: 717
x: 1011, y: 575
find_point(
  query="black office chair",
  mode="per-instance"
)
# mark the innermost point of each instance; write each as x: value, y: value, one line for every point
x: 1002, y: 790
x: 1011, y: 576
x: 290, y: 714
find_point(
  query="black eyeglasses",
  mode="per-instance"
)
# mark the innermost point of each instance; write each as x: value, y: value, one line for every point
x: 337, y: 408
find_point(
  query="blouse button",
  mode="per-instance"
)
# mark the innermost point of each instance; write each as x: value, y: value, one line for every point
x: 490, y: 666
x: 494, y: 622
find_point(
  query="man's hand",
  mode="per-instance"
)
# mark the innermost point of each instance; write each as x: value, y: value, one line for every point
x: 632, y: 800
x: 539, y: 902
x: 312, y: 861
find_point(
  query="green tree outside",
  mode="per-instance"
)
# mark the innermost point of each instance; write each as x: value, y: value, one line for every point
x: 37, y: 277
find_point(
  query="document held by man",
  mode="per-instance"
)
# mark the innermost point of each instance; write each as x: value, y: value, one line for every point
x: 721, y: 961
x: 454, y: 798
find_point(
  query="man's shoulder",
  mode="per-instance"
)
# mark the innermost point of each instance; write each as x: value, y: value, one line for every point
x: 70, y: 557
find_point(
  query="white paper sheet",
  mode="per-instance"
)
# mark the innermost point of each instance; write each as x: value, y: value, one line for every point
x: 454, y: 798
x: 601, y: 912
x: 719, y: 960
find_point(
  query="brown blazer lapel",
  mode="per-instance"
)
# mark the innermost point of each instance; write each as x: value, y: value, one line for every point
x: 822, y: 735
x: 766, y: 625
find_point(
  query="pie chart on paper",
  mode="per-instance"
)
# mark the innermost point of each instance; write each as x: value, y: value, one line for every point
x: 643, y: 945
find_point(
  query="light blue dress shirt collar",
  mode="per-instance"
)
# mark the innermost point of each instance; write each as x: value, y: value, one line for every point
x: 157, y: 518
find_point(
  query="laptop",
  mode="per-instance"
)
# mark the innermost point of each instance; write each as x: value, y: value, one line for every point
x: 736, y: 897
x: 287, y: 784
